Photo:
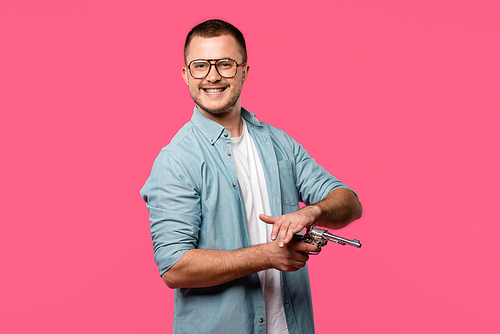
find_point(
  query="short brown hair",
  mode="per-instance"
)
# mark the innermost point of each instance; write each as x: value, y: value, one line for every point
x: 216, y: 28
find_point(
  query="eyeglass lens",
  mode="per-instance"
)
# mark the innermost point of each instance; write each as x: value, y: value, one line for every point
x: 226, y: 67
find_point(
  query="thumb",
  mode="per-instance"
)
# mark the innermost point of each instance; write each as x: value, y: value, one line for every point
x: 268, y: 219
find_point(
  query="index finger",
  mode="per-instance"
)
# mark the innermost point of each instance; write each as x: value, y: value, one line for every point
x: 300, y: 246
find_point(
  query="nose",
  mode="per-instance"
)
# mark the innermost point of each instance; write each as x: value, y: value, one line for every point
x: 213, y: 75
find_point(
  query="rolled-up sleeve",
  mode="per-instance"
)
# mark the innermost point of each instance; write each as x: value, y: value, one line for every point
x: 313, y: 182
x: 173, y: 203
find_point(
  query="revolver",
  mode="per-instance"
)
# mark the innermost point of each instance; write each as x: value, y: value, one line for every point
x: 319, y: 237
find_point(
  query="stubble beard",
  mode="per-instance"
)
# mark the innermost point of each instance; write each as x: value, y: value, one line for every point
x: 224, y: 108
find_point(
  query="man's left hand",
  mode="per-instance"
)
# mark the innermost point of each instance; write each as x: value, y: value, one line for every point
x: 290, y: 224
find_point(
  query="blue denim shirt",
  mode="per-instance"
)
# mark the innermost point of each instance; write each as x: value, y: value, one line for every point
x: 194, y: 201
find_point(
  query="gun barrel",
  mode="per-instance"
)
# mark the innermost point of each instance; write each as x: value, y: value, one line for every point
x: 340, y: 240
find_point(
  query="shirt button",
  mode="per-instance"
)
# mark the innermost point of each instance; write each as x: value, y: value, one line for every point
x: 234, y: 184
x: 211, y: 140
x: 257, y: 285
x: 228, y: 154
x: 225, y: 134
x: 261, y: 320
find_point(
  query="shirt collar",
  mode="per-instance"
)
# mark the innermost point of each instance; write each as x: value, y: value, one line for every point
x: 249, y: 117
x: 213, y: 130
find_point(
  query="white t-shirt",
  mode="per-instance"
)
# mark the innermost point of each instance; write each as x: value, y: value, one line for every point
x: 254, y: 190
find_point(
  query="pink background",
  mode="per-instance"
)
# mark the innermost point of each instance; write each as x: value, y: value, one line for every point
x: 400, y: 100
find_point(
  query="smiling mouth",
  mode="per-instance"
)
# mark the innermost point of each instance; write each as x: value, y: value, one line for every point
x: 214, y: 90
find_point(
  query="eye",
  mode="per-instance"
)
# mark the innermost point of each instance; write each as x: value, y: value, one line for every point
x: 199, y: 65
x: 225, y: 63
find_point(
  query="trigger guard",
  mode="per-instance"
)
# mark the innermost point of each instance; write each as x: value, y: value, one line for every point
x: 315, y: 253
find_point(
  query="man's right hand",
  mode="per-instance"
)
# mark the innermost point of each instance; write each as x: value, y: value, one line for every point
x: 292, y: 257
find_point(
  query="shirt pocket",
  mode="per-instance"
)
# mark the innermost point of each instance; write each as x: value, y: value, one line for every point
x: 289, y: 194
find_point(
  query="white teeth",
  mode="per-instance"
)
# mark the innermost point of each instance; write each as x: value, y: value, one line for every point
x: 214, y: 90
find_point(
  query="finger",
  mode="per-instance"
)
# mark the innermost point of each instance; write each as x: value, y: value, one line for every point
x: 305, y: 247
x: 286, y: 231
x: 312, y: 248
x: 290, y: 269
x: 302, y: 257
x: 268, y: 219
x: 276, y: 229
x: 306, y: 254
x: 289, y: 235
x: 283, y: 234
x: 294, y: 266
x: 271, y: 220
x: 299, y: 264
x: 298, y: 228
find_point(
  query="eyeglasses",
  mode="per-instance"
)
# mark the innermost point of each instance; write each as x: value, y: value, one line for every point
x: 226, y: 67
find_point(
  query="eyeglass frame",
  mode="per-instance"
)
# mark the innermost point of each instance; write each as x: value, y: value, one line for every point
x: 215, y: 65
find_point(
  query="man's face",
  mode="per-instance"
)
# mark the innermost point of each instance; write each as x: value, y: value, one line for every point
x: 214, y: 94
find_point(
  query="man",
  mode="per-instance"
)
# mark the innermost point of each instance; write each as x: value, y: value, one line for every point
x: 211, y: 192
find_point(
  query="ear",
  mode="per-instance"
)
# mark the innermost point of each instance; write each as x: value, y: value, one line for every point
x: 185, y: 75
x: 245, y: 73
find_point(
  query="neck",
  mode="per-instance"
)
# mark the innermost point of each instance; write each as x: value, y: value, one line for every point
x: 231, y: 120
